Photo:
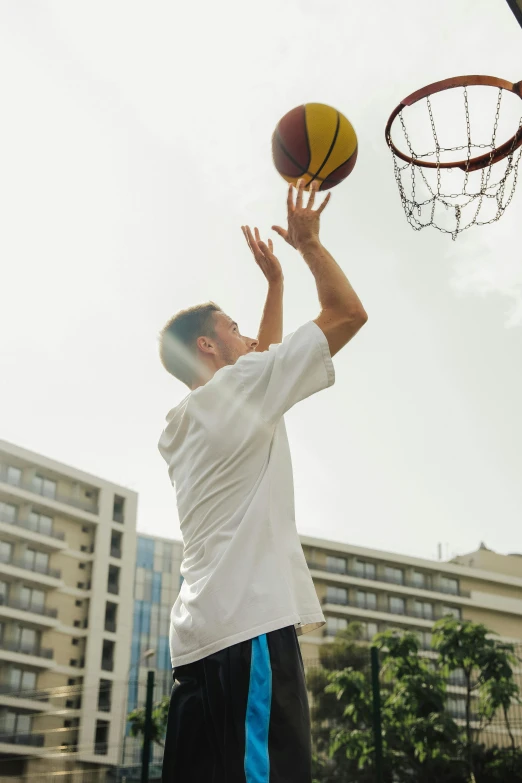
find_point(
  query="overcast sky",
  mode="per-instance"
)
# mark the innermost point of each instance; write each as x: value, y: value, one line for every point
x: 136, y: 141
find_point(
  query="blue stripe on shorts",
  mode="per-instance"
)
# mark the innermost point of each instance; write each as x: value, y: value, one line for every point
x: 257, y: 763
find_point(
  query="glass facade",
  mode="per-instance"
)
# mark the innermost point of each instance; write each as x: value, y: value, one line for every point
x: 156, y: 585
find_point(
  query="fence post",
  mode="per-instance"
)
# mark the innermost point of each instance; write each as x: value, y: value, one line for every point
x: 147, y: 729
x: 377, y: 728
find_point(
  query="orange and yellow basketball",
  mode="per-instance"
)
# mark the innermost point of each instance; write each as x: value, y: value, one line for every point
x: 314, y: 142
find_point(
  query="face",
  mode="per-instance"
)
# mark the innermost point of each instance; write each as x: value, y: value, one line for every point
x: 230, y: 343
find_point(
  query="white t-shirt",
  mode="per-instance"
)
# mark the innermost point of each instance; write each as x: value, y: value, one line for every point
x: 226, y: 447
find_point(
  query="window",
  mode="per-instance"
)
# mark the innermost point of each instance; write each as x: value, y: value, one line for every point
x: 113, y: 582
x: 41, y: 523
x: 101, y: 738
x: 336, y: 595
x: 423, y: 609
x: 335, y: 624
x: 78, y: 603
x: 76, y: 642
x: 370, y: 630
x: 81, y: 565
x: 4, y: 592
x: 452, y: 611
x: 156, y: 588
x: 118, y: 509
x: 7, y: 512
x: 457, y: 706
x: 22, y: 680
x: 448, y: 585
x: 365, y: 570
x: 36, y: 561
x: 395, y: 575
x: 16, y: 723
x: 164, y: 661
x: 14, y: 476
x: 71, y: 681
x: 336, y: 564
x: 457, y: 677
x: 32, y: 599
x: 6, y: 550
x: 397, y: 605
x: 27, y: 639
x: 44, y: 486
x: 425, y: 638
x: 145, y: 553
x: 419, y: 579
x: 104, y: 696
x: 366, y: 600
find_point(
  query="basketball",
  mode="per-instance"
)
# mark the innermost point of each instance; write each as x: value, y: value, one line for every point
x: 314, y: 142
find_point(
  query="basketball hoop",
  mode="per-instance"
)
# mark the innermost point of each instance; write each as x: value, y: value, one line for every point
x: 423, y: 178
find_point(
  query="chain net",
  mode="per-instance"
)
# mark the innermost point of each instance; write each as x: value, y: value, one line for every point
x: 484, y: 195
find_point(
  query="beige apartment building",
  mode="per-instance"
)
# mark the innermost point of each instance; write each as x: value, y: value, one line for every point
x: 67, y: 554
x: 386, y: 590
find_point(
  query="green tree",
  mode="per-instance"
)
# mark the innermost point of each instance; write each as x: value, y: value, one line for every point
x: 487, y: 666
x: 421, y: 740
x: 160, y: 712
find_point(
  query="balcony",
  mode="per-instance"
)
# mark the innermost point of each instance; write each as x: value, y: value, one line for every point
x: 398, y: 611
x: 12, y: 603
x: 34, y: 567
x: 84, y: 505
x: 26, y: 649
x: 387, y: 579
x: 36, y: 740
x: 27, y: 525
x: 8, y: 689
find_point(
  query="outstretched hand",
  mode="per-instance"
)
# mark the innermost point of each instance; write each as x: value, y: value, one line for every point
x: 303, y: 221
x: 264, y: 255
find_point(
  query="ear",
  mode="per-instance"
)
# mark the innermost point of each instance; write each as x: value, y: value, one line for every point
x: 205, y: 345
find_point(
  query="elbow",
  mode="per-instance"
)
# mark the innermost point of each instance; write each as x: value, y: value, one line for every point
x: 357, y: 317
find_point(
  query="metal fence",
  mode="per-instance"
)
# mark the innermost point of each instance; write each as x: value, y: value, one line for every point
x: 491, y: 740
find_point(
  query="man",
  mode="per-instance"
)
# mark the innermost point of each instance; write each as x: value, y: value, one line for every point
x: 239, y: 711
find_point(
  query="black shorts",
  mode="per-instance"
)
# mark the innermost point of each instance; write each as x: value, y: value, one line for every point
x: 241, y: 715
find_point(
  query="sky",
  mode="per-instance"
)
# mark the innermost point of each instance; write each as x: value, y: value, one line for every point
x: 136, y: 142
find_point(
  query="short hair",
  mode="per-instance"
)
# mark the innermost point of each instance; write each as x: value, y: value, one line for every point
x: 178, y: 337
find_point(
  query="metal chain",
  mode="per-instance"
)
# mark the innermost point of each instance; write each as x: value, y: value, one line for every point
x: 499, y: 190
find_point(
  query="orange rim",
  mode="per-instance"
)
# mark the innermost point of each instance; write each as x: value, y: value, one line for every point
x: 473, y: 164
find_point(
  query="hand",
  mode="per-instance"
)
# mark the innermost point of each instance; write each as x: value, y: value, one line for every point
x: 264, y: 256
x: 303, y: 221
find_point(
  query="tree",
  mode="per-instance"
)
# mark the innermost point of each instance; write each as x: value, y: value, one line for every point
x: 160, y: 713
x: 488, y: 671
x: 421, y: 740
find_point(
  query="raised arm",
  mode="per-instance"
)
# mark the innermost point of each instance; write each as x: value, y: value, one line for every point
x: 342, y: 313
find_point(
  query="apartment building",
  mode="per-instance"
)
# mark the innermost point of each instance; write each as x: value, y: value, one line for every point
x: 156, y: 585
x: 383, y: 590
x: 67, y: 553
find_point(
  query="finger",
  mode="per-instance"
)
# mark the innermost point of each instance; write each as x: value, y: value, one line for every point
x: 256, y: 234
x: 299, y: 198
x: 290, y: 199
x: 314, y: 187
x: 281, y: 231
x: 323, y: 205
x: 250, y: 239
x: 270, y: 245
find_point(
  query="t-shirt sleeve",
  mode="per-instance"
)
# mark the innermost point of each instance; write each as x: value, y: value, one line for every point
x: 275, y: 380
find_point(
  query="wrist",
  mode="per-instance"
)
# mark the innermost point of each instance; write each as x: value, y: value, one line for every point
x: 276, y: 284
x: 309, y: 243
